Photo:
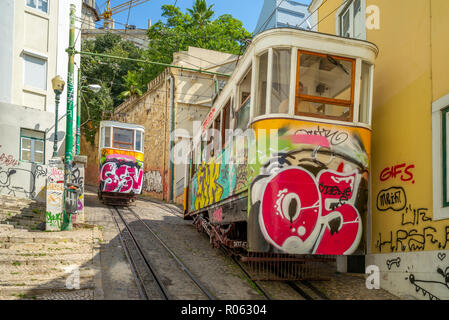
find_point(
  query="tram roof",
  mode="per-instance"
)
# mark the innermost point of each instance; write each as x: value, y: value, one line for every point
x: 121, y: 125
x: 318, y: 36
x: 302, y: 39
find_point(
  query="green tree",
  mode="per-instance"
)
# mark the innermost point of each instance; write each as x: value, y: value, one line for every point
x: 122, y: 79
x: 116, y: 77
x: 193, y: 28
x: 201, y: 13
x: 132, y: 82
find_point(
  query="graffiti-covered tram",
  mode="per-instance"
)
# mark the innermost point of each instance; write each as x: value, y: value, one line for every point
x: 286, y: 168
x: 120, y: 162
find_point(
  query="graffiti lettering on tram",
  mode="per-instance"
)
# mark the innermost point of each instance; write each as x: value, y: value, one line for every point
x: 119, y: 176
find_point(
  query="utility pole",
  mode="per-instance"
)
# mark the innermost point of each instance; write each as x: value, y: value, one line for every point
x: 78, y: 115
x: 68, y: 159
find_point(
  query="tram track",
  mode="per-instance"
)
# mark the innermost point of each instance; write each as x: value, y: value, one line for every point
x: 141, y: 266
x: 147, y: 281
x: 307, y: 290
x: 255, y: 283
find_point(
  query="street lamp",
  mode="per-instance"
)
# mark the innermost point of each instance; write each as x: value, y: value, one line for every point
x: 94, y: 87
x: 58, y: 86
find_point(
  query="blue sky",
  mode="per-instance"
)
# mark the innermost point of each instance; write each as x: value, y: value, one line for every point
x: 245, y: 10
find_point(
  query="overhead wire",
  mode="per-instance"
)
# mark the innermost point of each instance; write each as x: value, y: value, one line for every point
x: 268, y: 19
x: 342, y: 4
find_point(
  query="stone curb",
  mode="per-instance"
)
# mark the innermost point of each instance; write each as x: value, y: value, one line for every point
x: 98, y: 284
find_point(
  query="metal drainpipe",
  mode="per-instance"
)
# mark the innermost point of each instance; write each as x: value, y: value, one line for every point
x: 171, y: 136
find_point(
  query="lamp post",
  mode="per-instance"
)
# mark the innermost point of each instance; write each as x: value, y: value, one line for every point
x: 58, y: 86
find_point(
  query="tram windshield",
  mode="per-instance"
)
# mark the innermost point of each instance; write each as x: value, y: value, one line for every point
x: 122, y: 138
x: 324, y: 86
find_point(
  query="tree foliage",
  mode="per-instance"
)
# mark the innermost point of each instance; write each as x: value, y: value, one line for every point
x: 122, y: 79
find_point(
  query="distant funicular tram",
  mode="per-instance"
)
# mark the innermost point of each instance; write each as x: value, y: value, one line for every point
x: 121, y: 162
x: 283, y: 177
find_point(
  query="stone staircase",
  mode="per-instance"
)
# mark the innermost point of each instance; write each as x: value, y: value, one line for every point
x: 39, y: 265
x: 21, y: 213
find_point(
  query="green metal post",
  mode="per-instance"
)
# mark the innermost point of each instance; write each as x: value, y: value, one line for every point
x: 68, y: 159
x: 78, y: 115
x: 55, y: 140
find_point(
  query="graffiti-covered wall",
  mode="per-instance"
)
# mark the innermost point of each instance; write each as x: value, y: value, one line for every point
x: 309, y: 193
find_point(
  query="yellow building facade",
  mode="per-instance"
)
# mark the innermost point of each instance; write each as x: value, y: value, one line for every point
x: 408, y: 227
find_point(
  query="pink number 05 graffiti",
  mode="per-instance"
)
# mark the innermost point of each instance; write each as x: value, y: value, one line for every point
x: 121, y: 178
x: 303, y: 214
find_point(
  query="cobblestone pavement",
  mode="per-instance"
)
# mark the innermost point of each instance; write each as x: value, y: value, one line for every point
x: 212, y: 267
x: 117, y: 281
x: 347, y: 286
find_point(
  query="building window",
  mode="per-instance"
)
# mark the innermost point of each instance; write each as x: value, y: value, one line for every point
x: 35, y: 72
x: 41, y: 5
x: 440, y: 158
x: 444, y: 149
x: 351, y: 20
x: 32, y: 146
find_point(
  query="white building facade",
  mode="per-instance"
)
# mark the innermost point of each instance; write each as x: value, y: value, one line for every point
x: 34, y: 35
x: 284, y: 14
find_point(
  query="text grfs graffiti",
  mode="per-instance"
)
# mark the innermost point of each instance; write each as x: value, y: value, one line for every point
x: 121, y: 176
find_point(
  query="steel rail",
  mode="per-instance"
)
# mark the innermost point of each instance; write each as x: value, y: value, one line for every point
x: 161, y: 288
x: 132, y: 264
x: 182, y: 265
x: 247, y: 275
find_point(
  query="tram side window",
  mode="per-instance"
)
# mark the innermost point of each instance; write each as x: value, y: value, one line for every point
x: 261, y: 102
x: 107, y: 136
x: 281, y: 80
x: 365, y: 94
x: 226, y: 123
x: 324, y: 86
x: 217, y: 135
x: 123, y: 138
x: 243, y: 106
x: 139, y: 141
x: 242, y: 116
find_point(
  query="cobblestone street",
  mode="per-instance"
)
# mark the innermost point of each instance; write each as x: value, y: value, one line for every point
x: 35, y: 264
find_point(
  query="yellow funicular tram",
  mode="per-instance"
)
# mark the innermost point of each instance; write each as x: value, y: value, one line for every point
x: 285, y: 170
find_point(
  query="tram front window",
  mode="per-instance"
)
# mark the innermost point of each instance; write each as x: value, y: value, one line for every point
x: 123, y: 139
x: 281, y: 80
x: 324, y: 86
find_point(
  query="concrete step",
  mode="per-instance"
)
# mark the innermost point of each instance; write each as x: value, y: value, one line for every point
x: 58, y: 260
x: 46, y: 247
x: 24, y: 236
x: 51, y: 287
x: 43, y: 253
x: 85, y: 294
x: 5, y: 227
x: 41, y: 271
x: 11, y: 278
